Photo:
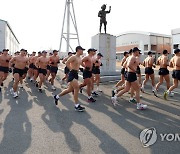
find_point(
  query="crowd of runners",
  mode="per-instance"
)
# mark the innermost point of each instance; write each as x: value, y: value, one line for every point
x: 42, y: 68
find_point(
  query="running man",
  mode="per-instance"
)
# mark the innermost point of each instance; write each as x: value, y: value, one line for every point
x: 54, y: 61
x: 122, y: 81
x: 148, y: 63
x: 163, y: 71
x: 96, y: 70
x: 175, y: 64
x: 41, y: 64
x: 66, y: 69
x: 132, y: 63
x: 87, y: 63
x: 31, y: 66
x: 4, y: 66
x: 20, y: 62
x: 73, y: 63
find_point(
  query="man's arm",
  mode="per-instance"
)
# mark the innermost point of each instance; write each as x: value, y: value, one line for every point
x: 64, y: 60
x: 12, y: 61
x: 69, y: 61
x: 84, y: 60
x: 131, y: 63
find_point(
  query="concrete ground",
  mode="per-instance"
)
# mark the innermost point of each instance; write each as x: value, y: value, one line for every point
x: 33, y: 124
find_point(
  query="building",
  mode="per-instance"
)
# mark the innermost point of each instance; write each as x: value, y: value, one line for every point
x: 8, y: 40
x: 146, y: 41
x: 175, y: 39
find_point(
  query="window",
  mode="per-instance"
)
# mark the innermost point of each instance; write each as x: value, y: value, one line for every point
x: 175, y: 46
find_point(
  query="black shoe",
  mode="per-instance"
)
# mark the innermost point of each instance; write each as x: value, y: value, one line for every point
x: 79, y: 108
x: 91, y: 100
x: 36, y: 84
x: 113, y: 93
x: 94, y: 94
x: 2, y: 84
x: 0, y: 89
x: 40, y: 90
x: 56, y: 100
x: 80, y: 90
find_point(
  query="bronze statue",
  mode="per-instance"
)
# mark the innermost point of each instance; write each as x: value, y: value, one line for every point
x: 102, y: 14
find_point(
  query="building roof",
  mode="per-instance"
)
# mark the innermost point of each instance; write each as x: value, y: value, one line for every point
x: 143, y: 33
x: 175, y: 31
x: 10, y: 29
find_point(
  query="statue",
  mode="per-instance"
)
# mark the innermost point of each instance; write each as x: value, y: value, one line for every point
x: 102, y: 14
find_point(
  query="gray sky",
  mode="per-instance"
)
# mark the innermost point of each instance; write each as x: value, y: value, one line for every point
x: 37, y: 23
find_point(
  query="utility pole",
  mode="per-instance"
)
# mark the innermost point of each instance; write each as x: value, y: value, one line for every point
x: 69, y: 17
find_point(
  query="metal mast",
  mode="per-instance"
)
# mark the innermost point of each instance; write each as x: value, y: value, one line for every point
x: 69, y: 16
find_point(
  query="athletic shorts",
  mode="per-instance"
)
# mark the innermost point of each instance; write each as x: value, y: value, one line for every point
x: 138, y: 71
x: 176, y: 74
x: 66, y: 70
x: 125, y: 75
x: 122, y: 71
x: 19, y: 71
x: 96, y: 70
x: 73, y: 74
x: 4, y: 69
x: 54, y: 69
x: 25, y: 70
x: 131, y: 76
x: 149, y: 70
x: 31, y: 66
x: 163, y: 71
x: 87, y: 74
x: 48, y: 67
x: 42, y: 71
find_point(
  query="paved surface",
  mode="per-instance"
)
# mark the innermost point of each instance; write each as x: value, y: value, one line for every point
x: 33, y: 124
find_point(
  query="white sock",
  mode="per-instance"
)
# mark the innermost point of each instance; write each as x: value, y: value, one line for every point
x: 89, y: 97
x: 168, y: 92
x: 57, y: 96
x: 131, y: 98
x: 115, y: 91
x: 76, y: 105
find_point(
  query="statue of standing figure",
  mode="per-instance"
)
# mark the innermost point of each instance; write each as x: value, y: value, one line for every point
x: 102, y: 14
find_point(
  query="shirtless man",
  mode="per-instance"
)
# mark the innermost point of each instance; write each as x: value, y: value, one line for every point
x: 87, y: 63
x: 31, y: 65
x: 163, y: 71
x: 48, y: 69
x: 4, y: 66
x: 126, y: 54
x: 174, y: 63
x: 132, y: 64
x: 41, y: 64
x: 73, y: 63
x: 149, y: 72
x: 96, y: 70
x: 19, y: 68
x: 54, y: 61
x: 66, y: 70
x: 35, y: 69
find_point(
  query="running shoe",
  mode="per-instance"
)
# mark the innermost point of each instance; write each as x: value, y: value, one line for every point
x: 165, y: 95
x: 113, y: 93
x: 132, y: 101
x: 53, y: 88
x: 79, y: 108
x: 56, y: 100
x: 80, y: 90
x: 141, y: 106
x: 40, y: 90
x: 91, y: 100
x: 113, y: 101
x: 155, y: 92
x: 94, y: 94
x: 2, y: 84
x: 15, y: 95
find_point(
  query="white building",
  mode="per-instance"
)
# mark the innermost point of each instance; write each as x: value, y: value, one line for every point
x: 175, y: 38
x: 146, y: 41
x: 8, y: 40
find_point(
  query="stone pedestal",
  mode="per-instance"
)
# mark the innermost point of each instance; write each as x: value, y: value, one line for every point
x: 106, y: 44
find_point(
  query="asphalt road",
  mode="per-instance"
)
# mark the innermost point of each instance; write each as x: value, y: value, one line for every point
x: 33, y: 124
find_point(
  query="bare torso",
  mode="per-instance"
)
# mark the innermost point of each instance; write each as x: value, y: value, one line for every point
x: 43, y: 62
x: 132, y: 63
x: 4, y: 60
x: 148, y: 62
x: 20, y: 62
x: 54, y: 60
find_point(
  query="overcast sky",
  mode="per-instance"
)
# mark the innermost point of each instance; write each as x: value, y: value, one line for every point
x: 37, y: 23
